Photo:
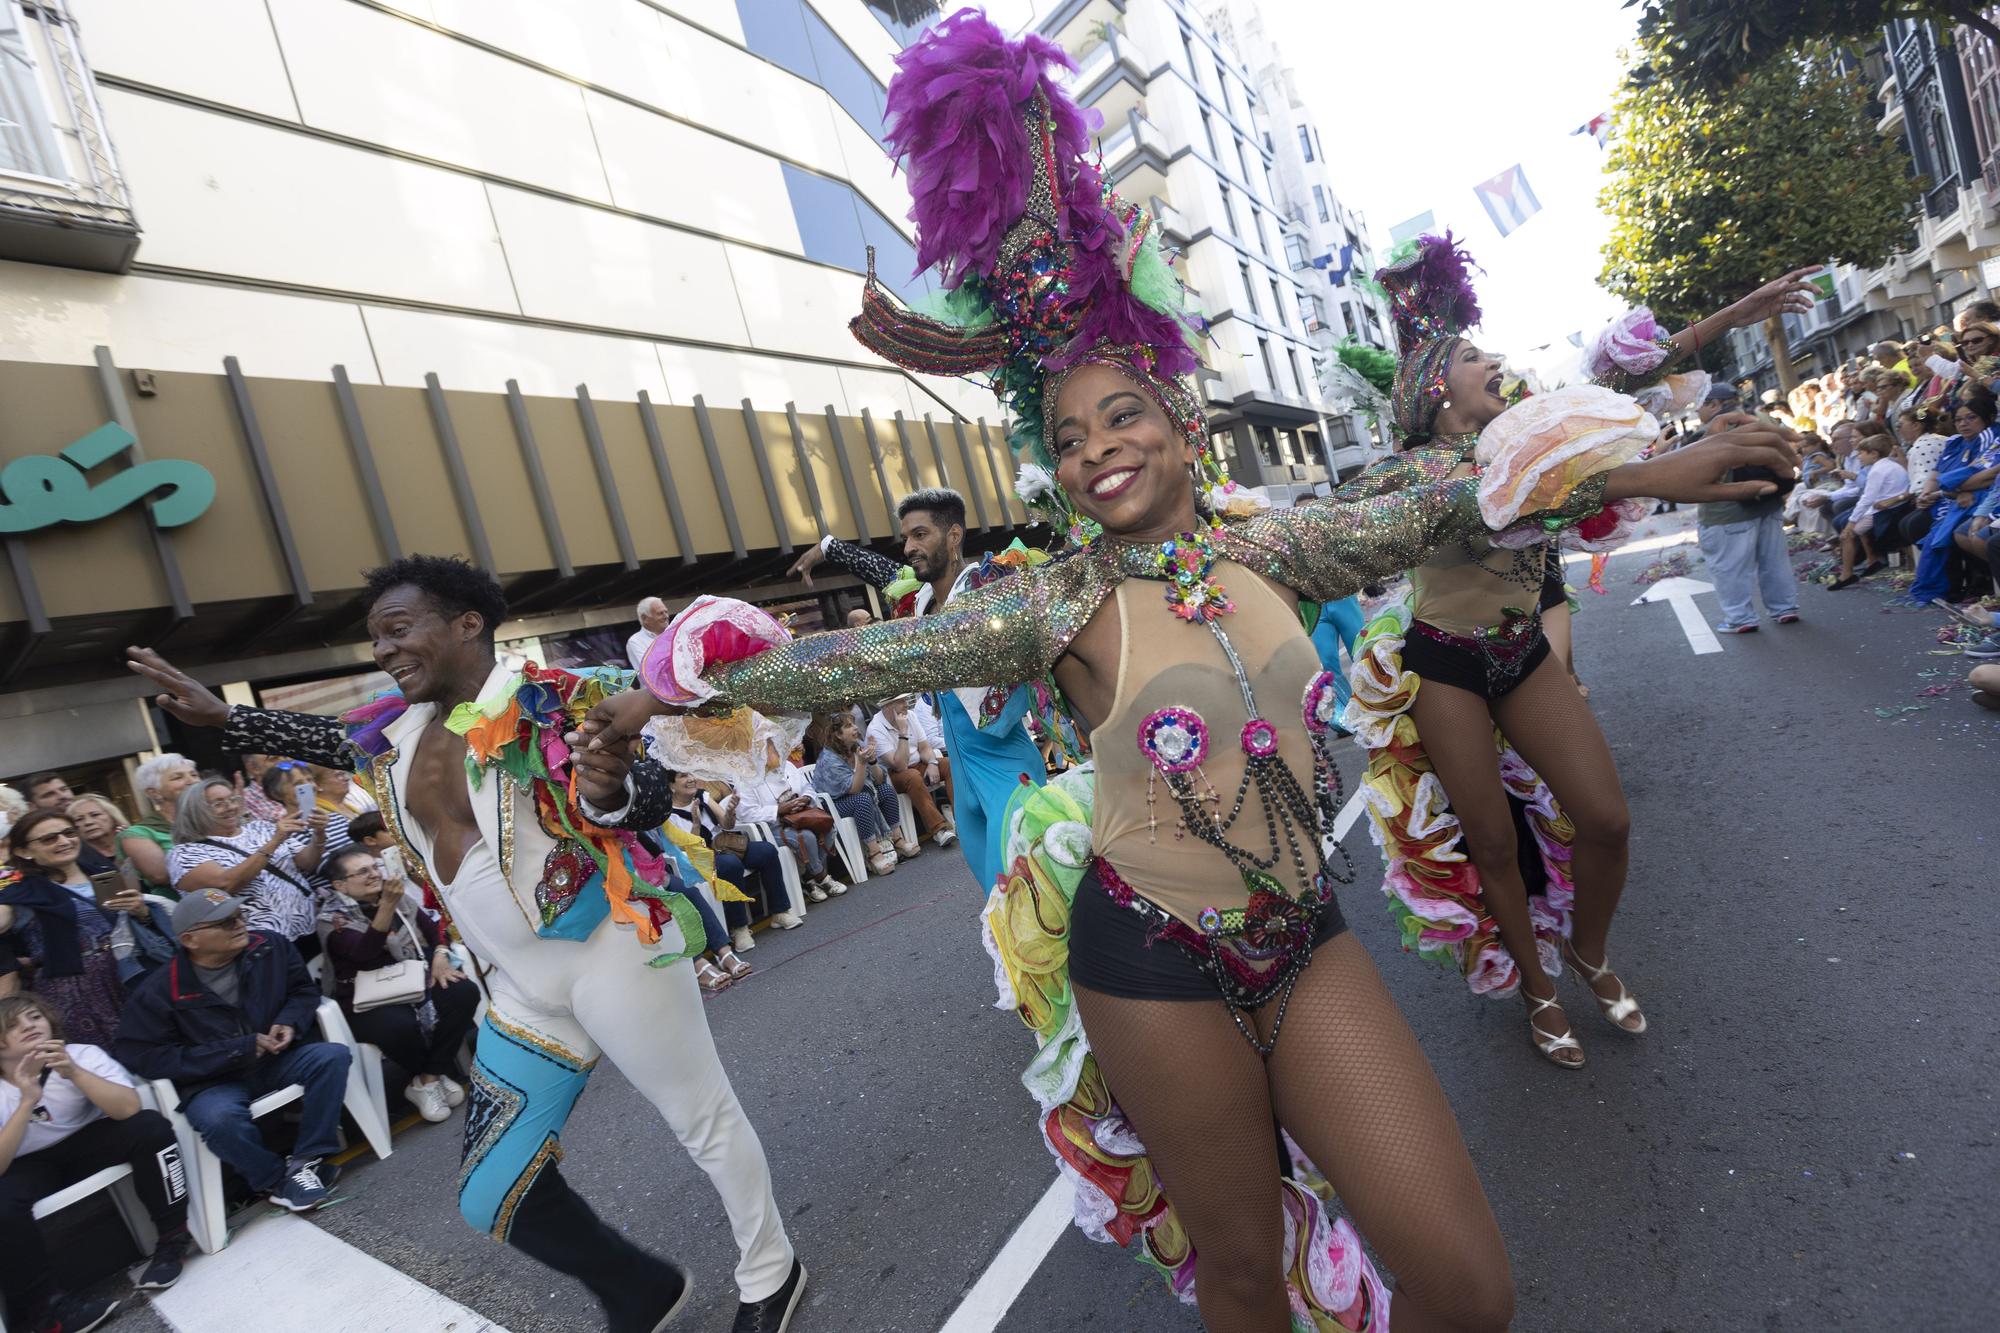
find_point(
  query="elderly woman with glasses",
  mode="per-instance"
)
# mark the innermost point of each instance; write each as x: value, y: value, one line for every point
x: 269, y: 866
x: 368, y: 922
x: 57, y: 925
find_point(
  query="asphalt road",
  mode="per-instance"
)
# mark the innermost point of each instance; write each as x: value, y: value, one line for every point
x: 1804, y: 1140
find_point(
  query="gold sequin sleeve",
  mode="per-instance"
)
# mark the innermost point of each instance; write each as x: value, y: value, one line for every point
x: 1415, y: 503
x: 1005, y: 633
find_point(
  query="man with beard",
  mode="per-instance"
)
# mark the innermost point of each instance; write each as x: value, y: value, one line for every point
x: 991, y: 750
x: 569, y: 915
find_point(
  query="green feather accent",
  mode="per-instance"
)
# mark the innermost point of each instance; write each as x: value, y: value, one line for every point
x: 1370, y: 363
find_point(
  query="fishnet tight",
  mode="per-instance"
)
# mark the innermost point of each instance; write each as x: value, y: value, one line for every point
x: 1351, y: 1085
x: 1547, y: 721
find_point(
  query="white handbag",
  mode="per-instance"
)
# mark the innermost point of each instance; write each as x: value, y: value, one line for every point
x: 397, y: 983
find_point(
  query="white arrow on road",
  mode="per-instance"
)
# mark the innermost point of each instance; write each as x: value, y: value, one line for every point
x: 1680, y: 594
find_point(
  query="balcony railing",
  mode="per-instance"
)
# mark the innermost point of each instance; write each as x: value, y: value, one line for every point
x: 1941, y: 201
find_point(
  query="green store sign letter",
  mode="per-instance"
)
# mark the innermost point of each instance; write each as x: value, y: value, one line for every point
x: 40, y: 491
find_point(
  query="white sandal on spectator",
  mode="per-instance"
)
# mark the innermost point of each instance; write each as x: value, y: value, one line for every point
x: 1550, y: 1045
x: 1619, y: 1010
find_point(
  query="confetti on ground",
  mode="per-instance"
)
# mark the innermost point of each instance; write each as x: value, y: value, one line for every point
x: 1934, y: 691
x: 1898, y: 713
x: 1676, y: 566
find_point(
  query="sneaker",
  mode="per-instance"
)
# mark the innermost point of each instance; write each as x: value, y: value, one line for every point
x: 1750, y: 628
x: 741, y: 939
x: 164, y: 1268
x: 453, y: 1093
x: 773, y: 1314
x: 834, y: 887
x: 787, y: 920
x: 1987, y: 647
x: 79, y: 1314
x: 430, y: 1101
x: 300, y: 1190
x: 945, y: 836
x: 1788, y: 617
x: 814, y: 893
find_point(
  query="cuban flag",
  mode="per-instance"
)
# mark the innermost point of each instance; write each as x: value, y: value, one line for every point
x: 1509, y: 199
x: 1597, y: 127
x: 1410, y: 228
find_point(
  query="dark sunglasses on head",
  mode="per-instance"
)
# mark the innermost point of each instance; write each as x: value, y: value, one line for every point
x: 284, y: 764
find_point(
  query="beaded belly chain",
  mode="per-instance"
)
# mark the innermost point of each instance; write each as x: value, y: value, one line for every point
x: 1255, y: 953
x: 1504, y: 650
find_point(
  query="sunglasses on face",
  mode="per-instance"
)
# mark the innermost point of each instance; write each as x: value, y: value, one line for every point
x: 51, y: 839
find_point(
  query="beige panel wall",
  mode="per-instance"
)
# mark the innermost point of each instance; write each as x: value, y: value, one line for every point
x: 746, y: 486
x: 586, y: 520
x: 507, y: 509
x: 794, y: 497
x: 687, y: 466
x: 638, y: 481
x: 413, y: 471
x: 314, y: 463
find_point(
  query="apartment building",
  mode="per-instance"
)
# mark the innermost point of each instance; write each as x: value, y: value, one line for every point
x: 1328, y: 247
x: 560, y: 288
x: 1186, y: 132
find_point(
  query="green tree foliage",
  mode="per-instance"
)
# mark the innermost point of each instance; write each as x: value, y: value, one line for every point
x: 1713, y: 43
x: 1713, y: 193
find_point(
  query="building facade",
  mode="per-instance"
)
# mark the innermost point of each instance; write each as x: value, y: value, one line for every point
x: 1186, y: 133
x: 565, y: 294
x: 1327, y: 244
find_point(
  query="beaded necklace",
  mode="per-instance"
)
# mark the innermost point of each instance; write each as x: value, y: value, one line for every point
x: 1255, y: 953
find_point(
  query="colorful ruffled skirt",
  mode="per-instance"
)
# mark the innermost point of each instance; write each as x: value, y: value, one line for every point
x: 1432, y: 885
x: 1332, y: 1286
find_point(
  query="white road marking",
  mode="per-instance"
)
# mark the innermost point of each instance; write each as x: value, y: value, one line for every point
x: 1664, y: 540
x: 282, y: 1274
x: 1349, y: 813
x: 1004, y: 1279
x: 1680, y: 594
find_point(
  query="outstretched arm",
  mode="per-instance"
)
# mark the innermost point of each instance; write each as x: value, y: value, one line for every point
x: 877, y: 571
x: 308, y: 736
x: 1620, y: 362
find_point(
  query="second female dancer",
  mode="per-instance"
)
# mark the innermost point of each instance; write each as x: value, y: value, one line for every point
x: 1499, y: 722
x: 1183, y: 956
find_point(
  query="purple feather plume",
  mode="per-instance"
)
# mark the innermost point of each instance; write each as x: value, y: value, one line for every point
x: 954, y: 120
x: 1431, y: 291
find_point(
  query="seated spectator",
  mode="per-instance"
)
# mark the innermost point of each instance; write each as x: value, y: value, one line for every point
x: 229, y: 1019
x: 916, y: 769
x: 68, y: 1111
x: 860, y: 616
x: 1921, y: 445
x: 782, y: 798
x: 160, y: 782
x: 653, y: 621
x: 852, y: 774
x: 267, y: 865
x: 367, y: 923
x: 371, y: 831
x: 256, y: 804
x: 48, y: 791
x: 99, y: 822
x: 1985, y: 682
x: 327, y: 814
x: 750, y: 864
x: 1968, y: 465
x: 1884, y: 502
x: 55, y: 924
x: 717, y: 966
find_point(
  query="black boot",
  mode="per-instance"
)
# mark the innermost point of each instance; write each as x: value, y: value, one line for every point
x: 640, y: 1293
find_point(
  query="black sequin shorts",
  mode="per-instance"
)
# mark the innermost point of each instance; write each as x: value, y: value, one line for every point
x: 1109, y: 952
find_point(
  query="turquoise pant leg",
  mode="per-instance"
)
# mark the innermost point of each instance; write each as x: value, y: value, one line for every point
x: 1339, y: 626
x: 987, y: 764
x: 523, y: 1088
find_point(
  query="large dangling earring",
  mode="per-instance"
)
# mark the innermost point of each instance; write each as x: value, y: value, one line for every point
x: 1445, y: 406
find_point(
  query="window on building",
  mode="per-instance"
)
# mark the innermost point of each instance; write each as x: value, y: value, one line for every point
x: 1295, y: 253
x: 836, y: 226
x: 1270, y: 371
x: 1306, y: 142
x: 906, y: 20
x: 1243, y: 164
x: 1316, y: 142
x: 27, y: 135
x: 1313, y: 311
x: 1298, y: 380
x: 1208, y: 131
x: 1187, y: 45
x: 1257, y: 225
x: 1277, y: 304
x: 1222, y: 87
x: 1229, y: 209
x: 792, y: 35
x: 1319, y: 203
x: 1249, y: 292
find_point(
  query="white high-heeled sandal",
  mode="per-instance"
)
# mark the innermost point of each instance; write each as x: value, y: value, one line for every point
x: 1617, y: 1010
x: 1549, y: 1044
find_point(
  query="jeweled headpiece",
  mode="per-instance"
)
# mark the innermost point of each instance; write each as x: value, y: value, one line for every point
x: 1044, y: 268
x: 1432, y: 304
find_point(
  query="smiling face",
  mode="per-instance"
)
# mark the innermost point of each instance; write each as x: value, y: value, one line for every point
x: 225, y: 806
x: 51, y: 843
x: 1974, y: 343
x: 430, y: 655
x: 845, y: 735
x: 1122, y: 461
x: 683, y: 787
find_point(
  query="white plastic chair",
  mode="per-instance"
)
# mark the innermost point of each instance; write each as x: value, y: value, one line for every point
x: 911, y: 833
x: 208, y: 1208
x: 795, y: 889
